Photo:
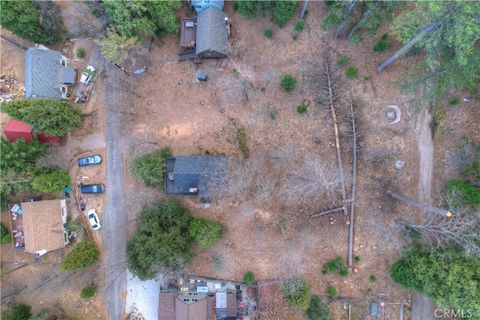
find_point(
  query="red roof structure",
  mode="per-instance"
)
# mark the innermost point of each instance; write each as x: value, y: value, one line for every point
x: 16, y: 129
x: 49, y: 139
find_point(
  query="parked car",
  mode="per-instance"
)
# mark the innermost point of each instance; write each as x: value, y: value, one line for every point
x: 87, y: 75
x: 92, y: 188
x: 93, y: 219
x: 87, y: 161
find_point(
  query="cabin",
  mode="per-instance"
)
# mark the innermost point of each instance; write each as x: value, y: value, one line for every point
x: 47, y: 74
x: 213, y: 28
x: 200, y: 176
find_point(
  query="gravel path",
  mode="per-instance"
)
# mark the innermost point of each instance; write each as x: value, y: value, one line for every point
x: 115, y: 217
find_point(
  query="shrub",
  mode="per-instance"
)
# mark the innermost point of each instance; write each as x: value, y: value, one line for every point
x: 471, y: 169
x: 335, y: 265
x: 453, y: 101
x: 297, y: 292
x: 372, y: 278
x: 462, y: 193
x: 41, y: 315
x: 268, y: 33
x: 320, y: 100
x: 6, y: 236
x: 318, y: 310
x: 19, y: 312
x: 88, y: 292
x: 81, y: 256
x: 51, y: 181
x: 299, y: 25
x: 356, y: 258
x: 342, y: 61
x: 288, y: 82
x: 295, y: 37
x: 332, y: 292
x: 281, y: 11
x: 235, y: 72
x: 351, y: 73
x: 205, y: 232
x: 242, y: 143
x: 150, y: 168
x: 249, y: 278
x: 447, y: 276
x: 366, y: 78
x: 80, y: 53
x: 162, y: 240
x: 382, y: 44
x: 301, y: 109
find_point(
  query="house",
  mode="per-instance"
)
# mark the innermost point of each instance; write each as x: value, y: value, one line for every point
x: 16, y: 129
x: 202, y: 176
x: 44, y: 225
x: 186, y: 306
x: 201, y: 5
x: 213, y: 28
x: 47, y: 74
x: 225, y: 305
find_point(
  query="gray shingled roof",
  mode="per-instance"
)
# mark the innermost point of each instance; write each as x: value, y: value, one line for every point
x: 206, y: 173
x: 44, y: 74
x: 212, y: 33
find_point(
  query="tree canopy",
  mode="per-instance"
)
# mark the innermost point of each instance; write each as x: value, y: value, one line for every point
x: 317, y: 310
x: 47, y: 116
x: 281, y: 11
x: 297, y: 292
x: 449, y: 278
x: 150, y: 168
x: 141, y: 18
x: 81, y: 256
x: 115, y: 47
x: 18, y: 312
x: 161, y: 240
x: 37, y: 21
x: 205, y: 232
x: 51, y: 181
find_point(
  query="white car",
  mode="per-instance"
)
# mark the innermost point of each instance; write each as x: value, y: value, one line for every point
x: 93, y: 219
x: 87, y: 75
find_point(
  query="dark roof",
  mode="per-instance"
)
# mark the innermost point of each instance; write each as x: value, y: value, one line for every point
x: 44, y: 74
x: 166, y: 306
x: 212, y: 33
x: 205, y: 173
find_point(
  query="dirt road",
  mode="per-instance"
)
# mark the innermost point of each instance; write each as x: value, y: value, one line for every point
x: 422, y: 306
x: 115, y: 218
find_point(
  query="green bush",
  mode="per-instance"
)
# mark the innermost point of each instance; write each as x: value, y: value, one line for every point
x: 300, y: 25
x: 320, y: 101
x: 453, y: 101
x: 6, y: 236
x: 281, y: 11
x: 51, y: 181
x: 372, y: 278
x: 462, y: 193
x: 88, y: 292
x: 161, y: 240
x: 332, y: 292
x: 150, y: 168
x: 366, y: 78
x: 41, y: 315
x: 295, y: 37
x: 335, y: 265
x: 18, y: 312
x: 356, y: 258
x: 80, y: 53
x: 471, y: 169
x: 297, y: 292
x: 351, y: 73
x: 288, y: 82
x: 249, y: 278
x: 205, y: 232
x: 301, y: 109
x: 268, y: 33
x: 318, y: 310
x: 446, y: 276
x: 382, y: 44
x: 81, y: 256
x: 342, y: 61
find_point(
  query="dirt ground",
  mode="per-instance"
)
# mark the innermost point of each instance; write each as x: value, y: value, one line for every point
x: 267, y: 237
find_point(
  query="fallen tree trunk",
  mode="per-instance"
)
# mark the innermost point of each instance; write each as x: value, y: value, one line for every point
x: 354, y: 183
x: 437, y: 211
x: 426, y: 31
x: 364, y: 19
x: 305, y: 4
x: 344, y: 18
x: 327, y: 212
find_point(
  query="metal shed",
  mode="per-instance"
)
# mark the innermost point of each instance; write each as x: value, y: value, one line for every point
x: 212, y: 34
x: 16, y: 129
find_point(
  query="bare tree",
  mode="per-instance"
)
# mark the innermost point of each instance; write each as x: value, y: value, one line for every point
x: 462, y: 230
x: 312, y: 181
